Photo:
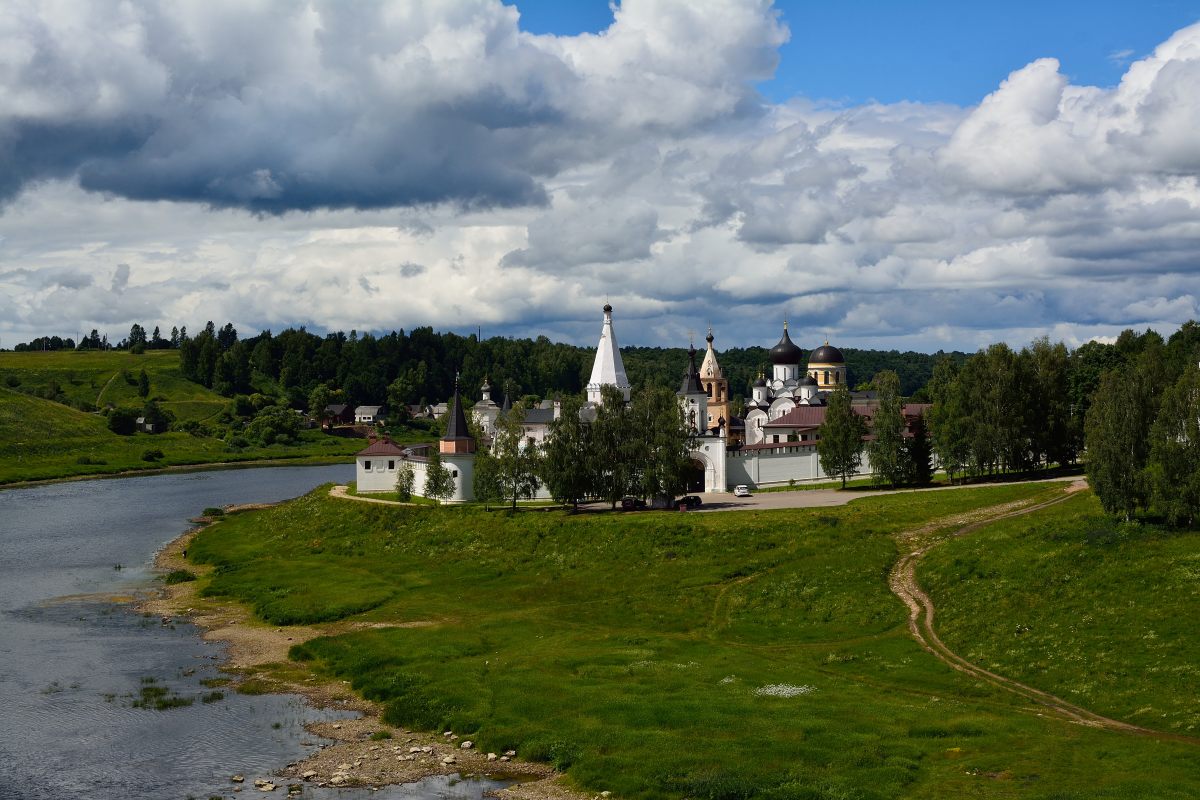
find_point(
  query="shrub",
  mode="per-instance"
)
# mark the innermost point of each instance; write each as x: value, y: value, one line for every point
x: 12, y: 381
x: 123, y: 421
x: 85, y: 460
x: 178, y: 576
x: 152, y: 455
x: 213, y: 511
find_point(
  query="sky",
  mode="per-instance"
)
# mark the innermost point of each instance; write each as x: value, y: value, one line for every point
x: 922, y: 175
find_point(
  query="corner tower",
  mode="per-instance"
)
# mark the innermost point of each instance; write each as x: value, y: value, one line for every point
x: 458, y: 452
x: 607, y: 369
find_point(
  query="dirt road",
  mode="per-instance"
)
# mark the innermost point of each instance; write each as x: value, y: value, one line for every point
x: 921, y: 613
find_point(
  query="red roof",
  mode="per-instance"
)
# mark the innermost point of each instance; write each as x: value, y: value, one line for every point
x: 382, y: 447
x: 814, y: 416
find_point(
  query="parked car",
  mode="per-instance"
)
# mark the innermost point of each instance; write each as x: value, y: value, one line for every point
x: 741, y: 490
x: 631, y: 503
x: 691, y: 500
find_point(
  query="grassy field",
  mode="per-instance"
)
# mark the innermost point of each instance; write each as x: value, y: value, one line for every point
x: 42, y: 438
x: 1103, y: 614
x: 721, y: 656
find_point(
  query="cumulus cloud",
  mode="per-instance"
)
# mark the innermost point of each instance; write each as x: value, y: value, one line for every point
x: 432, y: 164
x: 279, y: 106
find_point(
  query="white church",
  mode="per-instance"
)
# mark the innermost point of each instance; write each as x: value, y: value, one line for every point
x: 774, y: 445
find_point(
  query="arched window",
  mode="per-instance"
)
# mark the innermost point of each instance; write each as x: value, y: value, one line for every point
x: 826, y: 377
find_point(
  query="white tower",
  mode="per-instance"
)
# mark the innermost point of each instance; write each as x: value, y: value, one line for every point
x: 607, y: 369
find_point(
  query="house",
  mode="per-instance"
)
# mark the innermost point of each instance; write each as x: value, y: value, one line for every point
x: 369, y: 415
x: 377, y: 466
x: 338, y: 414
x: 145, y: 426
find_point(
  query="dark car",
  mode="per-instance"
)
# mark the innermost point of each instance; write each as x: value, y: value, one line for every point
x: 631, y: 503
x: 691, y: 501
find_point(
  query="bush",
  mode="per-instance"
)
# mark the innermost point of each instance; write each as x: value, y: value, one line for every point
x: 123, y: 421
x: 12, y: 381
x: 152, y: 455
x: 213, y: 511
x: 178, y: 576
x: 85, y: 460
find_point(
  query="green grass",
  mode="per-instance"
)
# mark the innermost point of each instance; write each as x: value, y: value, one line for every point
x: 44, y: 438
x: 1101, y: 613
x: 631, y: 650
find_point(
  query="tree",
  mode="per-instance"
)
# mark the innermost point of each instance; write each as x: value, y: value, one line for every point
x: 949, y: 418
x: 917, y: 453
x: 840, y: 445
x: 274, y: 425
x: 318, y: 399
x: 143, y: 384
x: 886, y: 450
x: 439, y: 483
x: 568, y: 463
x: 1173, y: 468
x: 157, y: 417
x: 517, y: 457
x: 664, y: 443
x: 1117, y: 433
x: 486, y: 480
x: 405, y: 478
x: 1051, y: 430
x: 614, y: 445
x: 123, y: 421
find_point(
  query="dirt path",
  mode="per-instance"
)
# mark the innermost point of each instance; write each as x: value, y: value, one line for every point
x: 341, y: 492
x: 921, y: 612
x: 104, y: 388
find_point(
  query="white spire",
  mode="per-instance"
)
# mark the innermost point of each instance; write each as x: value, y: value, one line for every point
x: 607, y: 369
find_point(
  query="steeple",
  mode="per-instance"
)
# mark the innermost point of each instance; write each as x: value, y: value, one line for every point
x: 710, y: 368
x: 691, y: 379
x: 458, y: 437
x: 607, y: 369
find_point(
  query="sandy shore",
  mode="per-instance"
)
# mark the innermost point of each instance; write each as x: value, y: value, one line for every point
x: 257, y: 656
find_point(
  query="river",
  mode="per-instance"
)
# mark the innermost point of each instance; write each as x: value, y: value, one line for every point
x: 74, y: 655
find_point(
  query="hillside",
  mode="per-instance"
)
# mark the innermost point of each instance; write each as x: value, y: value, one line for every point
x: 45, y: 434
x: 91, y: 379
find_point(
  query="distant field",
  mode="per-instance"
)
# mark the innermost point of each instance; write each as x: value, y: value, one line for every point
x: 40, y: 438
x: 723, y: 656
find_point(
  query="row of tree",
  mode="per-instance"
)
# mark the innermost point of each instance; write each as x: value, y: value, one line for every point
x: 643, y: 449
x: 898, y: 448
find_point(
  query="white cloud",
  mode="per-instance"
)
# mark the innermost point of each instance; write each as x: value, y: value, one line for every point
x: 418, y: 163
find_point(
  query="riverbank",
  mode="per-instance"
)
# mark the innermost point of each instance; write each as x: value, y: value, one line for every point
x: 366, y: 752
x: 299, y: 461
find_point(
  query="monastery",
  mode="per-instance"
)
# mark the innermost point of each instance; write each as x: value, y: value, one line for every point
x: 774, y: 444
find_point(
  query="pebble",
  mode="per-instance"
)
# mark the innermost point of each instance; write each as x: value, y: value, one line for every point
x: 510, y: 753
x: 491, y: 756
x: 467, y: 745
x: 312, y: 773
x: 238, y: 778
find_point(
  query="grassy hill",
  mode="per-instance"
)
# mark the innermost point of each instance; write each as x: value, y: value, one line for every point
x: 1070, y: 601
x: 721, y: 656
x: 45, y: 434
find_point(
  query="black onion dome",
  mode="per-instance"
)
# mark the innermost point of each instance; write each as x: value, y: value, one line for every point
x: 786, y: 352
x: 826, y: 354
x: 760, y: 381
x: 607, y: 308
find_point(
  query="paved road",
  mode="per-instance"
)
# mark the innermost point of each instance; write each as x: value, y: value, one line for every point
x: 819, y: 498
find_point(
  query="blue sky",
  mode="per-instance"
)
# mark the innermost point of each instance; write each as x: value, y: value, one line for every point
x: 929, y: 51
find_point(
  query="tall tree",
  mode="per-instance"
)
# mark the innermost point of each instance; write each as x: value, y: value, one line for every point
x: 1173, y: 468
x: 917, y: 454
x: 664, y: 442
x: 143, y: 383
x: 568, y: 463
x: 886, y: 449
x: 1049, y: 403
x: 949, y: 419
x: 517, y: 457
x: 439, y: 483
x: 1118, y: 432
x: 615, y: 446
x: 840, y: 445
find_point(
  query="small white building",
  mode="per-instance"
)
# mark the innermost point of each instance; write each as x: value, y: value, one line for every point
x: 368, y: 415
x: 377, y: 466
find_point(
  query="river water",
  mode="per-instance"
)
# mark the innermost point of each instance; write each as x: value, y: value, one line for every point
x: 74, y: 656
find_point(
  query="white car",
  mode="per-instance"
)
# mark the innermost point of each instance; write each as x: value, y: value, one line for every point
x: 741, y: 490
